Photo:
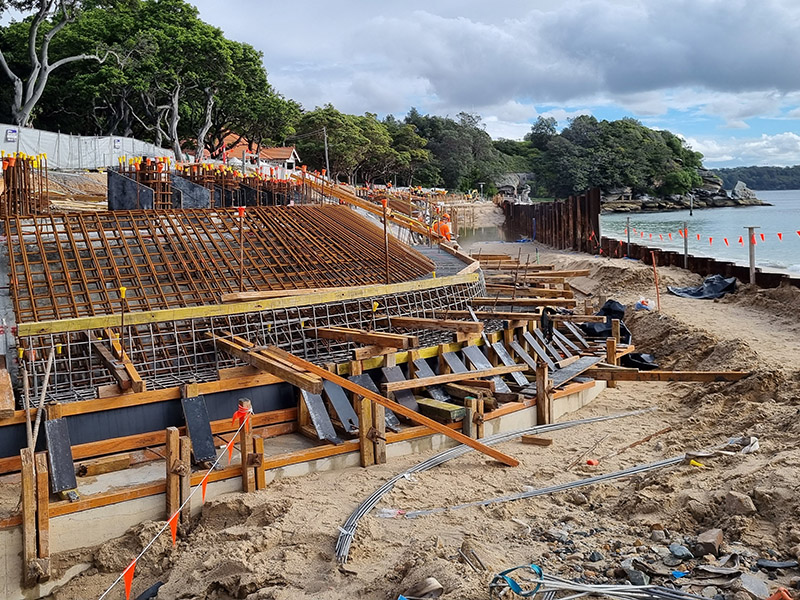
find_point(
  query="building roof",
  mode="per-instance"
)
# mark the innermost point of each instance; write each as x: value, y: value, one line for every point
x: 235, y: 148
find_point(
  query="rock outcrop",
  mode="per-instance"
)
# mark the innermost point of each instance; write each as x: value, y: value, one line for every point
x: 710, y: 194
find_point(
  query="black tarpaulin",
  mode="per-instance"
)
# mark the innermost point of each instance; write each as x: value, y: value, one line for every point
x: 715, y: 286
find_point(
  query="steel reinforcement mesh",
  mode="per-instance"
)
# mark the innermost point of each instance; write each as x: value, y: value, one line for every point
x: 74, y: 265
x: 177, y: 352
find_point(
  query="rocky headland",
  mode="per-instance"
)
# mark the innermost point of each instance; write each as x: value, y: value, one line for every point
x: 710, y: 194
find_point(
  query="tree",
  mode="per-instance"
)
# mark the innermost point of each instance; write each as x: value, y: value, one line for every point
x: 345, y: 141
x: 542, y: 132
x: 48, y: 19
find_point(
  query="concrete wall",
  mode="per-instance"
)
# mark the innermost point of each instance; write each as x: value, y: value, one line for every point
x: 126, y: 194
x: 186, y: 194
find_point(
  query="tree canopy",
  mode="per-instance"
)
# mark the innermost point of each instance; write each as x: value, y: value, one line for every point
x: 154, y: 70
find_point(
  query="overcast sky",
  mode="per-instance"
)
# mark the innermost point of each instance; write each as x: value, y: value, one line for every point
x: 725, y: 74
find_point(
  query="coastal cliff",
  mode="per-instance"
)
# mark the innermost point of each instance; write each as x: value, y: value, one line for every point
x: 710, y: 194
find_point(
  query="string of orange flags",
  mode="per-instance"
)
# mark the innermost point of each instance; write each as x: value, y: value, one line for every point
x: 684, y: 233
x: 242, y: 415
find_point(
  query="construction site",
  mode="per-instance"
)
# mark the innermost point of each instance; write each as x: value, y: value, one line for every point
x: 265, y: 384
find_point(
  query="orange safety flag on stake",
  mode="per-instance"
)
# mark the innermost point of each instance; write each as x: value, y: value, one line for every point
x: 762, y: 238
x: 173, y: 527
x: 230, y: 452
x: 726, y: 241
x: 127, y: 577
x: 780, y: 237
x: 241, y: 413
x: 203, y: 485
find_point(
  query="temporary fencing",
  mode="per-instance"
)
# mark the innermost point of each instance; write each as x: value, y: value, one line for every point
x: 243, y: 416
x: 66, y: 151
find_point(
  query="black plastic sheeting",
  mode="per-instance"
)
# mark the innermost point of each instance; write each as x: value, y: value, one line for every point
x: 637, y: 360
x: 714, y: 286
x: 611, y: 310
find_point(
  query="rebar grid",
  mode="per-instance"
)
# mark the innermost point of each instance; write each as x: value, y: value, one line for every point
x: 25, y: 189
x: 73, y: 265
x: 153, y: 173
x: 171, y: 353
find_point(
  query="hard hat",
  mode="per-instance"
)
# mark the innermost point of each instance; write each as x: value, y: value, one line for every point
x: 445, y: 216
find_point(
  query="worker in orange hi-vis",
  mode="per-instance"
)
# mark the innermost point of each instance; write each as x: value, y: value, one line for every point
x: 444, y: 228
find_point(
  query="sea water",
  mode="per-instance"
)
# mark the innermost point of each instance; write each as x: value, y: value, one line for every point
x: 720, y: 224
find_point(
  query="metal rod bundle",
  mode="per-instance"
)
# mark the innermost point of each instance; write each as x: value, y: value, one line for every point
x: 25, y: 189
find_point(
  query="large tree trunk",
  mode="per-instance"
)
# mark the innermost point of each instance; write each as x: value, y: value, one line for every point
x: 206, y: 126
x: 174, y: 117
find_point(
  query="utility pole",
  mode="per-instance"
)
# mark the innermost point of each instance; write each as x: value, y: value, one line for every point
x: 386, y: 238
x: 685, y: 245
x: 327, y: 162
x: 628, y: 230
x: 751, y: 240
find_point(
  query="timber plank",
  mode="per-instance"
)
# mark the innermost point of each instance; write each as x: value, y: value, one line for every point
x: 623, y: 374
x: 441, y: 324
x: 368, y: 338
x: 423, y: 371
x: 507, y: 301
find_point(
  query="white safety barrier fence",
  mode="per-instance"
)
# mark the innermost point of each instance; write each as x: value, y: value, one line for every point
x: 66, y: 151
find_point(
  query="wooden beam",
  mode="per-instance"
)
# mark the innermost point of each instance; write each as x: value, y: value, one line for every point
x: 43, y: 514
x: 258, y: 448
x: 28, y: 516
x: 543, y: 275
x: 173, y: 466
x: 528, y: 292
x: 501, y: 301
x: 397, y: 408
x: 623, y: 374
x: 269, y: 294
x: 524, y: 316
x: 110, y: 362
x: 294, y: 376
x: 246, y: 450
x: 413, y: 384
x: 536, y: 440
x: 440, y: 324
x: 369, y: 338
x: 366, y: 352
x: 6, y: 395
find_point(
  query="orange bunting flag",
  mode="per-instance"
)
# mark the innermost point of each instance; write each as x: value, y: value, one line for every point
x: 754, y: 239
x: 620, y: 242
x: 661, y: 237
x: 173, y: 526
x: 680, y: 232
x: 741, y: 241
x: 239, y: 415
x: 670, y: 236
x: 798, y: 233
x: 710, y: 240
x: 626, y: 231
x: 726, y: 241
x: 204, y: 484
x: 230, y: 452
x: 642, y: 232
x: 127, y: 577
x: 780, y: 237
x: 651, y: 236
x: 762, y: 238
x: 698, y: 237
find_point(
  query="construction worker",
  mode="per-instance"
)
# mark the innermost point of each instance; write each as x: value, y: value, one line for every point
x: 444, y: 227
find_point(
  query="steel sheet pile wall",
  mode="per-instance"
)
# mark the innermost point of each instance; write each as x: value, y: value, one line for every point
x: 572, y: 224
x: 702, y: 265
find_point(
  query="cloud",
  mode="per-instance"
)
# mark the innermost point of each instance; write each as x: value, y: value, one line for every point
x: 782, y: 149
x: 732, y: 60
